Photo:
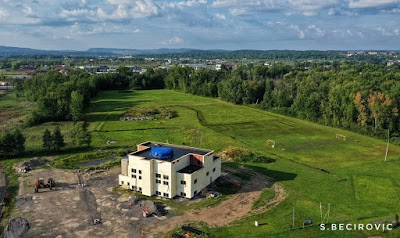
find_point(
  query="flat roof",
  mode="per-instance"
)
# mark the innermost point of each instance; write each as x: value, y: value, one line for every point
x: 178, y: 150
x: 189, y: 169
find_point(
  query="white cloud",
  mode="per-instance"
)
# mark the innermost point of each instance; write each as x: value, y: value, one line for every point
x: 220, y: 17
x: 120, y: 12
x: 289, y: 7
x: 173, y: 41
x: 144, y: 8
x: 311, y: 7
x: 189, y: 3
x: 3, y: 14
x: 76, y: 13
x: 391, y: 11
x: 388, y: 31
x: 318, y: 31
x: 119, y: 2
x: 297, y: 29
x: 371, y: 3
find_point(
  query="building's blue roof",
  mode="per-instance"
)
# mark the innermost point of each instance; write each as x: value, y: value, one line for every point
x: 175, y: 151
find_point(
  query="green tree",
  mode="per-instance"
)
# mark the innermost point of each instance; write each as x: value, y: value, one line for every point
x: 268, y: 94
x: 47, y: 139
x: 19, y: 139
x: 12, y: 143
x: 58, y: 139
x: 80, y: 136
x: 76, y: 106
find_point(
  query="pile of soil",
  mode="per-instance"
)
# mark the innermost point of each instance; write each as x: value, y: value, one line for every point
x: 31, y: 164
x: 17, y: 228
x: 152, y: 208
x: 132, y: 201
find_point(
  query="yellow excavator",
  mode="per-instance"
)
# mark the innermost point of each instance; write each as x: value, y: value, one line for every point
x: 39, y: 183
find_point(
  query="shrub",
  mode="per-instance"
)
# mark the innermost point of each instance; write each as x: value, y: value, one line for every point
x: 243, y: 155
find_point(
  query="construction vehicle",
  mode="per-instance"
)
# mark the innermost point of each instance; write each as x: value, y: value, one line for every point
x: 39, y: 183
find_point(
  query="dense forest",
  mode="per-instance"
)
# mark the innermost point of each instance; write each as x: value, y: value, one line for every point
x: 362, y: 97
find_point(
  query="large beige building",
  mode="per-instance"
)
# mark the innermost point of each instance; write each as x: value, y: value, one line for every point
x: 168, y: 170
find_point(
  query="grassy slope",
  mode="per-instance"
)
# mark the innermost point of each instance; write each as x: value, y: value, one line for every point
x: 13, y: 111
x: 357, y: 183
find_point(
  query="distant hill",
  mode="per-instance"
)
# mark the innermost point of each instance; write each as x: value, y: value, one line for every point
x: 138, y: 52
x: 6, y: 51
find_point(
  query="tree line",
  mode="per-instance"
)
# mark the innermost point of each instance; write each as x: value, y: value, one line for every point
x: 12, y: 143
x: 358, y: 96
x: 362, y: 97
x: 64, y: 97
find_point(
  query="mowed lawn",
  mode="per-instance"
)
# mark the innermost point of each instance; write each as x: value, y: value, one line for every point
x: 311, y: 164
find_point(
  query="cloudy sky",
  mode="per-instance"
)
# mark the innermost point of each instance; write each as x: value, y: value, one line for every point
x: 202, y: 24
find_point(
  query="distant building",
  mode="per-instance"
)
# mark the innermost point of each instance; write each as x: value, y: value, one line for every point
x: 168, y: 170
x: 223, y: 65
x: 195, y: 66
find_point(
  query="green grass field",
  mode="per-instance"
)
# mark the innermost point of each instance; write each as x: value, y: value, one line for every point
x: 311, y: 164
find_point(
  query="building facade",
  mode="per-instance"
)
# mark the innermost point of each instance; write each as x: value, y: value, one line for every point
x: 168, y: 170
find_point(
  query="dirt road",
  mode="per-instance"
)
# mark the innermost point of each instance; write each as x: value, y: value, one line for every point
x: 236, y: 207
x: 69, y: 209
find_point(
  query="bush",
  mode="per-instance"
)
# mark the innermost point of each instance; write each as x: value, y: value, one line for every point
x: 241, y: 155
x: 151, y: 113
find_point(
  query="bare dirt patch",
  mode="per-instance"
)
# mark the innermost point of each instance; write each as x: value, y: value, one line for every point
x: 69, y: 210
x: 236, y: 207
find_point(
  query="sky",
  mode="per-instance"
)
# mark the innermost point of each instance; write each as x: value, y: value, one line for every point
x: 201, y: 24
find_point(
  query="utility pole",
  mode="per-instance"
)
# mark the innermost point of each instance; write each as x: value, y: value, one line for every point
x: 387, y: 147
x: 320, y: 209
x: 293, y: 219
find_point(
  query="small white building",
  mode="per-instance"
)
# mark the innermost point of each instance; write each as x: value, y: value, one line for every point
x: 168, y: 170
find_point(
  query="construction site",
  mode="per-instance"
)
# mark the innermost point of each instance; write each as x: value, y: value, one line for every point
x: 70, y: 203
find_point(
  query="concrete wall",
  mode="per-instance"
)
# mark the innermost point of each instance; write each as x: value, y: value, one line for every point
x: 187, y: 189
x: 124, y: 167
x: 124, y: 181
x: 164, y: 168
x: 143, y: 174
x: 204, y: 177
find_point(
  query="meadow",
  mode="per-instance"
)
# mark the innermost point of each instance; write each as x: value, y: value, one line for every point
x: 312, y: 165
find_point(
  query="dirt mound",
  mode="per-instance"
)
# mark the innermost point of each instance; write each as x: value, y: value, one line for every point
x: 132, y: 201
x: 30, y: 164
x: 24, y: 203
x: 17, y: 228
